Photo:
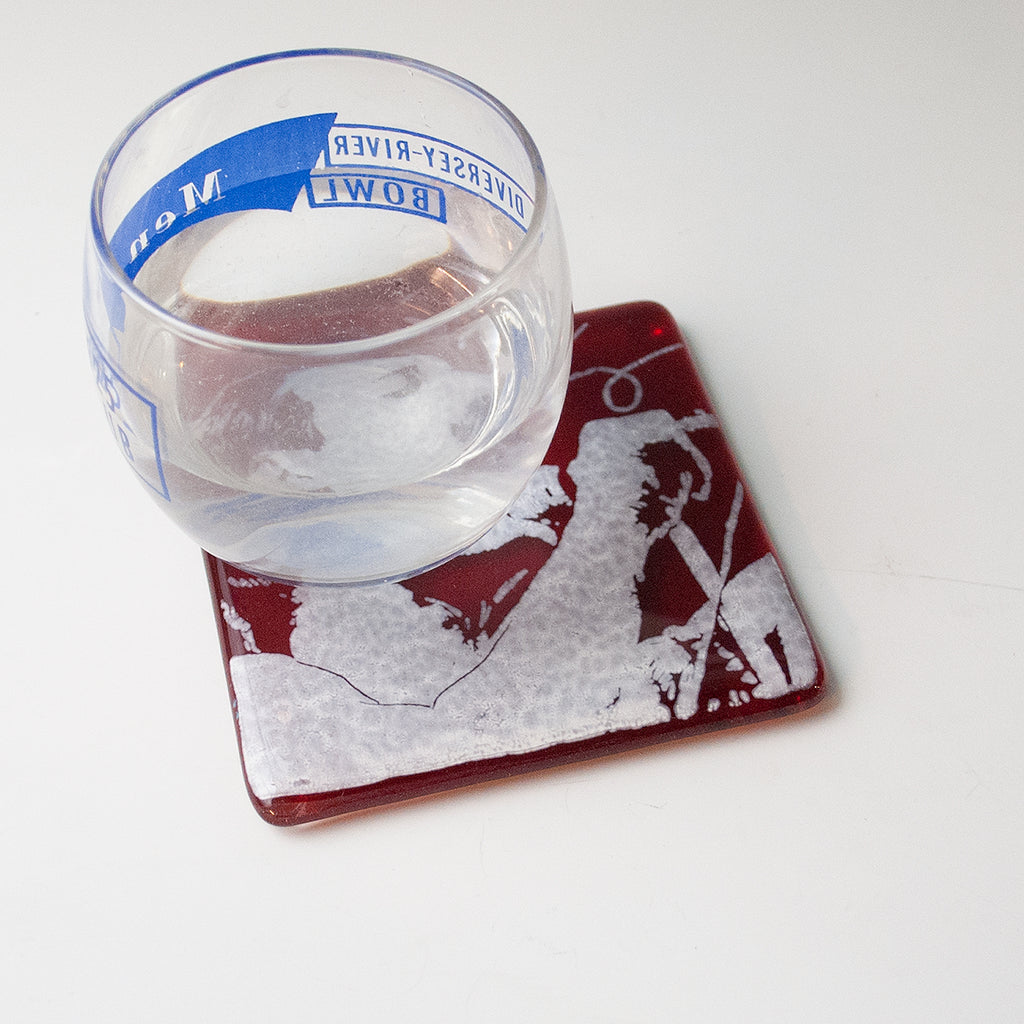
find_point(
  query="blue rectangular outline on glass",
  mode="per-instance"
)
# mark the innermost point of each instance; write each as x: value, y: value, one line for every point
x: 348, y: 170
x: 162, y: 490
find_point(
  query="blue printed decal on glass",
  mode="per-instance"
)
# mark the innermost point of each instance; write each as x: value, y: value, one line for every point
x: 264, y: 168
x: 133, y: 422
x: 355, y: 146
x: 331, y: 187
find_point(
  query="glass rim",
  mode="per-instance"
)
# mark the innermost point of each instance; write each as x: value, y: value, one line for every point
x: 109, y: 265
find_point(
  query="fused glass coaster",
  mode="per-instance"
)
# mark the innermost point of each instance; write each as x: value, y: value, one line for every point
x: 630, y: 596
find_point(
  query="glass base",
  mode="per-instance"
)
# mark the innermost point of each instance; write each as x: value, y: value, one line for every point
x: 630, y: 596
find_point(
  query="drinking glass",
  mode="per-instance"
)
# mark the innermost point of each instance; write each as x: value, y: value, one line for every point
x: 329, y: 312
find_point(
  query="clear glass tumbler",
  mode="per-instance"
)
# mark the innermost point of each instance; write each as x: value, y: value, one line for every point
x: 329, y: 312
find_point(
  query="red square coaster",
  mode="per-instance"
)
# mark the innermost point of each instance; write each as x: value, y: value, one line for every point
x: 630, y: 596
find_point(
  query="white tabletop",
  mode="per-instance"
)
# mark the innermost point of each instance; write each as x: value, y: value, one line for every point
x: 830, y: 200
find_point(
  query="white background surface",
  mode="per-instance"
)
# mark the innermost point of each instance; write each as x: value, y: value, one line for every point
x: 830, y: 200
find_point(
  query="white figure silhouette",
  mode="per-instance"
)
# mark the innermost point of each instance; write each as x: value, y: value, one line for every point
x: 378, y: 687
